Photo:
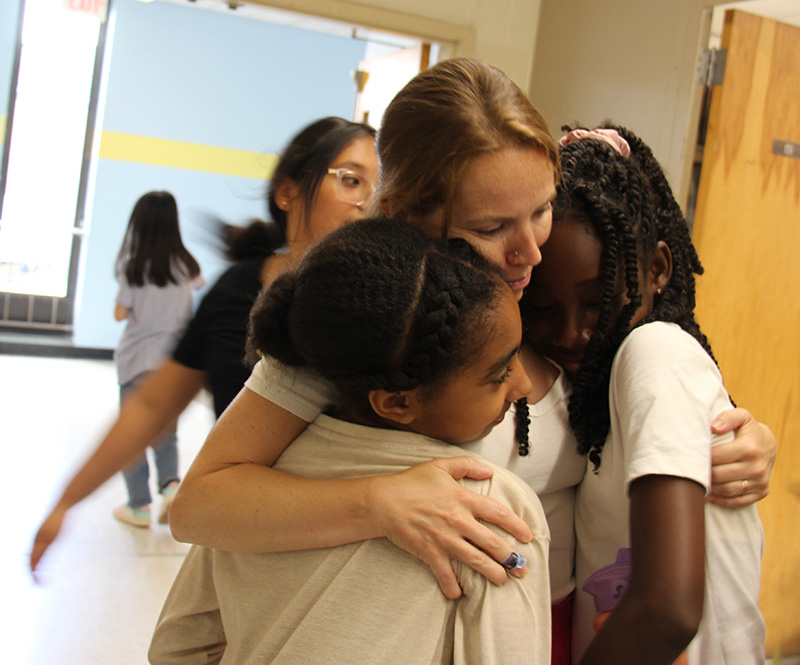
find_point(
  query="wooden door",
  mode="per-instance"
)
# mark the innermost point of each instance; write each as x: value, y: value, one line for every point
x: 747, y: 232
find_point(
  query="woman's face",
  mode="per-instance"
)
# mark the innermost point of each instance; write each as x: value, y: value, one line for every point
x: 503, y: 208
x: 329, y: 211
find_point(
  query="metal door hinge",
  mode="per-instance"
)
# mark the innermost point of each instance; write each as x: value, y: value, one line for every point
x: 711, y: 66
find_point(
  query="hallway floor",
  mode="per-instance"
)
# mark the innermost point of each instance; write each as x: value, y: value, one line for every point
x: 103, y: 582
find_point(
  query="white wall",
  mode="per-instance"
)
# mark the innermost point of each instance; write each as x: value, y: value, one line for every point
x: 631, y: 62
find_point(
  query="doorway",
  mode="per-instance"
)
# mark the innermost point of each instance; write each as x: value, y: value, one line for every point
x: 51, y: 112
x: 32, y: 299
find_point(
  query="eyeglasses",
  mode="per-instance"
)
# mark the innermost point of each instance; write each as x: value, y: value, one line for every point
x: 352, y: 187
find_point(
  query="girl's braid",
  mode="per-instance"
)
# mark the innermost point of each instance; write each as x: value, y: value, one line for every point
x: 629, y: 205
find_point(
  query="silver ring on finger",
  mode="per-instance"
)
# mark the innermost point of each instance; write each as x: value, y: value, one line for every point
x: 514, y: 561
x: 745, y: 485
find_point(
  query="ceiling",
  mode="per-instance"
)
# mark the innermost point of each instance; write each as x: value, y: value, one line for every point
x: 298, y: 20
x: 786, y: 11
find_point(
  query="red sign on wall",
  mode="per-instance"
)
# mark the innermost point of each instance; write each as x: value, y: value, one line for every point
x: 98, y: 8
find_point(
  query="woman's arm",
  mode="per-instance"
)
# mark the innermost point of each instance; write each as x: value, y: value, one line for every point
x: 231, y: 499
x: 661, y: 610
x: 144, y: 416
x: 741, y: 469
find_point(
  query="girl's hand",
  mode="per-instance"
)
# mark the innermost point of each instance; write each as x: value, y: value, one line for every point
x: 741, y: 469
x: 427, y: 513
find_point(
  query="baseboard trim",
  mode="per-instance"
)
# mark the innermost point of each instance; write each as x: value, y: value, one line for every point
x: 53, y: 350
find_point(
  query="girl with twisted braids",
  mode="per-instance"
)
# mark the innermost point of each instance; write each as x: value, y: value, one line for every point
x: 613, y: 302
x: 463, y: 153
x: 420, y: 339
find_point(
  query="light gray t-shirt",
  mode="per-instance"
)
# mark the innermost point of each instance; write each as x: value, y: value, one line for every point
x: 157, y: 316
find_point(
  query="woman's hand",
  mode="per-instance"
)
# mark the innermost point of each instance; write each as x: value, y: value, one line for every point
x: 46, y: 535
x: 427, y: 513
x: 741, y: 469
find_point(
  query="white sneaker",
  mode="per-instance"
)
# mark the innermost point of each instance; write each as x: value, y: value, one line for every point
x: 168, y: 493
x: 133, y: 516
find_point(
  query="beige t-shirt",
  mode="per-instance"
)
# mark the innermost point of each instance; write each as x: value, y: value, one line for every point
x: 553, y: 469
x: 366, y: 602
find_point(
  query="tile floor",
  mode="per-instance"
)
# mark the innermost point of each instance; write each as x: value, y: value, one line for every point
x: 103, y: 582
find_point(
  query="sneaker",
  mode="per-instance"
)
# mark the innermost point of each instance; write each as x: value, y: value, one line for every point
x: 133, y: 516
x: 168, y: 494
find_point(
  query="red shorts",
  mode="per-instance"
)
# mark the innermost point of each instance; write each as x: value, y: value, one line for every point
x: 562, y: 632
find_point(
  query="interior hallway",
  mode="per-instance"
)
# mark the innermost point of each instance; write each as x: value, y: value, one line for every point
x: 103, y: 582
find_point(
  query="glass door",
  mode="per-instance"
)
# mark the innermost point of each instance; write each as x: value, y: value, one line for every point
x: 48, y: 138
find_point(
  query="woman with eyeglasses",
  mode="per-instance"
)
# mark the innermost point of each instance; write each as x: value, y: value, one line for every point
x: 323, y: 180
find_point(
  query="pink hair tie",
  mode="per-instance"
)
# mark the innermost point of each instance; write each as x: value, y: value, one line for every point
x: 610, y: 136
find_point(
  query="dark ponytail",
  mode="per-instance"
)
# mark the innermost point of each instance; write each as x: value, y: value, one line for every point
x: 628, y: 205
x: 378, y: 304
x: 269, y: 329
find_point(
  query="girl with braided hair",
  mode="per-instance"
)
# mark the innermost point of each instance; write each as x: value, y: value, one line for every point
x: 613, y: 302
x: 420, y: 339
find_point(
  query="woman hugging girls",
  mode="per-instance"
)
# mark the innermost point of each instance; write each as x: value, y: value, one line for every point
x: 420, y: 338
x: 613, y: 302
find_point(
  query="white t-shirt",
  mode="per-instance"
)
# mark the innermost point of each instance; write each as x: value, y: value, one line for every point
x: 663, y: 393
x: 552, y: 468
x: 365, y: 602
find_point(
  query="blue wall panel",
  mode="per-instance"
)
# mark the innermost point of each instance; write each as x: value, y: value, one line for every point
x: 195, y: 75
x: 187, y: 74
x: 200, y: 197
x: 9, y: 24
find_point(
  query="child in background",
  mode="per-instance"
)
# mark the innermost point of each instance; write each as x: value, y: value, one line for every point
x: 421, y: 339
x: 613, y: 302
x: 156, y: 276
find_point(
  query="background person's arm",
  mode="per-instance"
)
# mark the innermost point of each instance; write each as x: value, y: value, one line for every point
x: 232, y: 500
x: 121, y: 312
x: 144, y: 416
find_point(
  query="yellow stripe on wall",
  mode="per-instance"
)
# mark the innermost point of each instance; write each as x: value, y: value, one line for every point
x: 181, y: 155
